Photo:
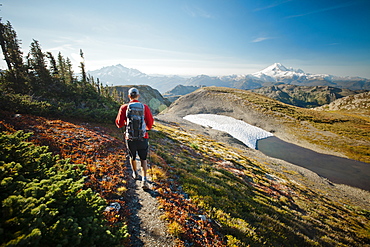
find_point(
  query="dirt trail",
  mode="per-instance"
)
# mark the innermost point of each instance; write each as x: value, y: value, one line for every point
x: 145, y: 226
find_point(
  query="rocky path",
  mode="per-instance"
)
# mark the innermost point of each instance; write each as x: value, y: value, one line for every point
x: 145, y: 226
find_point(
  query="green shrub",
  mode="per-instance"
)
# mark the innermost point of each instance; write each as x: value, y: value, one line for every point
x: 23, y: 104
x: 43, y: 202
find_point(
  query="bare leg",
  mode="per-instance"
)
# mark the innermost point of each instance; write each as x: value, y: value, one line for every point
x: 134, y: 168
x: 145, y: 167
x: 133, y: 164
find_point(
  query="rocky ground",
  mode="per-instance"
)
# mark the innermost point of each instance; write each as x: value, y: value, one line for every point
x: 350, y: 103
x: 145, y: 226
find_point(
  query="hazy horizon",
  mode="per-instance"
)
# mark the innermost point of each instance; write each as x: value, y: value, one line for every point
x: 211, y: 37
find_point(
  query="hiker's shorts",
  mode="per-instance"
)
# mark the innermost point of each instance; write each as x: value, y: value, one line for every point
x: 138, y: 147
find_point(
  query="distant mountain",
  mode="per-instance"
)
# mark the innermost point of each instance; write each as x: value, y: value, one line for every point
x: 273, y: 75
x: 178, y: 91
x: 304, y: 96
x: 118, y: 75
x: 277, y: 74
x: 148, y: 95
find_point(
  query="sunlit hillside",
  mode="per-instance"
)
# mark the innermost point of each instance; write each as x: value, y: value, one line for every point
x: 333, y: 132
x: 210, y: 193
x: 250, y: 204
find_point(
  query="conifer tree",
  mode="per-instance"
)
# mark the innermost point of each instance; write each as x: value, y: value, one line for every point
x: 61, y: 67
x: 37, y: 65
x: 13, y: 55
x: 98, y: 85
x: 45, y: 85
x: 69, y: 71
x: 82, y: 66
x: 53, y: 64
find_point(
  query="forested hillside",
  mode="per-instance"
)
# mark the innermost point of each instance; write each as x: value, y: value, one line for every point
x: 49, y: 197
x: 47, y: 85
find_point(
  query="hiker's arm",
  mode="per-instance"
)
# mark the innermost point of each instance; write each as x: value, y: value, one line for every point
x: 121, y: 116
x: 149, y: 120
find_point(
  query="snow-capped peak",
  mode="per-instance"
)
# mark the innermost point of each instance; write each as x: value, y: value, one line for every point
x: 278, y: 71
x: 276, y: 67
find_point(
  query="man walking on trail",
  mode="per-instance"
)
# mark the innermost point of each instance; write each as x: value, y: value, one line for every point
x: 137, y: 118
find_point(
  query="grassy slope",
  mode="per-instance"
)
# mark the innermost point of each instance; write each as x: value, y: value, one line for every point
x: 352, y: 127
x: 253, y: 205
x: 240, y: 198
x: 343, y: 132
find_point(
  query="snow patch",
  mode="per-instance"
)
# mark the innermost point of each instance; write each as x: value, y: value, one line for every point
x: 246, y: 133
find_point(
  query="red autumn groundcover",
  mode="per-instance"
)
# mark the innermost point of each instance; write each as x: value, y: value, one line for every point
x: 105, y: 159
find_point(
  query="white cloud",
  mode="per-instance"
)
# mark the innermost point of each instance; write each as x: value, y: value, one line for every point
x: 260, y: 39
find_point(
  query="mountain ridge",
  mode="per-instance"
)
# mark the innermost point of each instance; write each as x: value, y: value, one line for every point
x: 304, y: 96
x: 272, y: 75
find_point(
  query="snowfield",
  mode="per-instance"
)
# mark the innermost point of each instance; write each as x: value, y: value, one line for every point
x: 246, y: 133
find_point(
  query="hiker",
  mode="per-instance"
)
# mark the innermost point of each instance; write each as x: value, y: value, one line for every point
x: 137, y: 119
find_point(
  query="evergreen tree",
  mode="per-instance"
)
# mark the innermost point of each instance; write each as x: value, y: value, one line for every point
x: 53, y: 64
x: 10, y: 45
x: 82, y: 66
x: 44, y: 85
x: 61, y: 65
x: 98, y: 86
x: 69, y: 71
x: 37, y: 65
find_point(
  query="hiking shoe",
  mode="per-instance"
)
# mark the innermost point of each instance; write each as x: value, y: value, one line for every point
x: 145, y: 185
x: 135, y: 175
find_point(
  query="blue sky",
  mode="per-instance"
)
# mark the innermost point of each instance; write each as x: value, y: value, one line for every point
x: 212, y: 37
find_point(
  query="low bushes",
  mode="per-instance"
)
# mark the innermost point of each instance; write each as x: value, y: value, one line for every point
x: 44, y: 202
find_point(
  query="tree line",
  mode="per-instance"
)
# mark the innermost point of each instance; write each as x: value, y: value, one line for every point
x: 40, y: 83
